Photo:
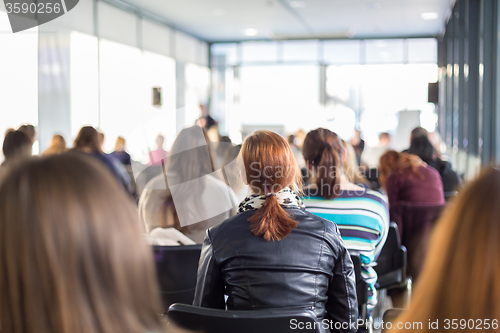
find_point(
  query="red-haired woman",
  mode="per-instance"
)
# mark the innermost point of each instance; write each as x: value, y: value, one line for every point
x: 406, y: 178
x: 273, y: 253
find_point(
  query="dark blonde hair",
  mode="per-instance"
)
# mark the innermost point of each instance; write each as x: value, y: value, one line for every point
x: 88, y: 137
x: 72, y: 255
x: 460, y: 279
x: 323, y: 150
x: 270, y: 166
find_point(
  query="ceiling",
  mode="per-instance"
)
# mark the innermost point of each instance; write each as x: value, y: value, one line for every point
x: 228, y: 20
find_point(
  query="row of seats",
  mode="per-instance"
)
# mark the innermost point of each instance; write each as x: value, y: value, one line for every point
x: 178, y: 288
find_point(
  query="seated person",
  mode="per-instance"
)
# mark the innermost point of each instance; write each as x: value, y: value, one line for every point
x: 361, y: 215
x: 423, y: 148
x: 461, y: 280
x: 275, y: 254
x: 199, y: 199
x: 406, y: 178
x: 72, y: 256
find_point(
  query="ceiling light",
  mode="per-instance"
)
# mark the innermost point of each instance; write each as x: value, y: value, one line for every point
x: 297, y: 4
x: 251, y: 32
x: 219, y: 12
x: 429, y: 16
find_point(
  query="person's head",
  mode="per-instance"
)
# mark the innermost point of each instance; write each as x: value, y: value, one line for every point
x: 190, y: 158
x: 270, y: 167
x: 72, y: 254
x: 422, y: 147
x: 324, y: 155
x: 58, y: 141
x: 460, y: 276
x: 291, y: 140
x: 351, y: 168
x: 16, y: 145
x: 384, y: 139
x: 88, y: 140
x: 160, y: 140
x: 29, y: 130
x: 393, y: 161
x: 418, y: 132
x: 8, y: 130
x: 120, y: 144
x: 57, y: 145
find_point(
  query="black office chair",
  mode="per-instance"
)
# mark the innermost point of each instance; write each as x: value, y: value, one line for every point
x: 391, y: 263
x: 391, y: 269
x: 176, y: 268
x: 361, y: 290
x: 251, y: 321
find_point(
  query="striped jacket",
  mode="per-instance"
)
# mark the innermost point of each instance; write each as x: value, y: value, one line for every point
x: 363, y: 221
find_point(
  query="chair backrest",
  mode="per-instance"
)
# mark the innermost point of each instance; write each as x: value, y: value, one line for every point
x: 415, y: 223
x: 177, y: 268
x: 250, y: 321
x: 361, y: 285
x: 391, y: 263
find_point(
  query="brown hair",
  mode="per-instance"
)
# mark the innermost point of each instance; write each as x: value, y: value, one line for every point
x: 88, y: 137
x: 392, y: 161
x: 72, y: 255
x: 323, y: 150
x: 16, y: 144
x: 270, y: 166
x: 460, y: 280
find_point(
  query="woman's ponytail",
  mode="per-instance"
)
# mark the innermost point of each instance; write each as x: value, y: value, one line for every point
x: 328, y: 180
x: 271, y: 221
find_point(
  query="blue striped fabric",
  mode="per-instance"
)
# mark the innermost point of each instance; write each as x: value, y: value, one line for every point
x: 363, y: 221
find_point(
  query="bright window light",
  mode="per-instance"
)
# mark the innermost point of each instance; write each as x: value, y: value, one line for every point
x: 251, y: 32
x: 430, y: 16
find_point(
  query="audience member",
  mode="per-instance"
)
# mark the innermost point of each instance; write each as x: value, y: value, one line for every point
x: 30, y: 131
x: 406, y: 178
x: 361, y: 215
x: 119, y: 153
x: 16, y: 146
x: 351, y: 167
x: 459, y: 282
x: 72, y: 256
x: 358, y: 144
x: 417, y: 132
x: 197, y: 201
x: 8, y: 130
x: 423, y: 148
x: 274, y: 254
x: 371, y: 156
x: 57, y: 146
x: 416, y: 201
x: 87, y: 141
x: 158, y: 156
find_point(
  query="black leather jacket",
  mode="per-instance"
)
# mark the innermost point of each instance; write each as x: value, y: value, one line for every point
x: 310, y: 268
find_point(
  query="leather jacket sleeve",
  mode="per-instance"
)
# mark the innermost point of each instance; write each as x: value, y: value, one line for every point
x: 342, y: 305
x: 210, y: 284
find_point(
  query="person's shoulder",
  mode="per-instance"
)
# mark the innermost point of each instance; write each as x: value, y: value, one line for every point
x: 228, y: 223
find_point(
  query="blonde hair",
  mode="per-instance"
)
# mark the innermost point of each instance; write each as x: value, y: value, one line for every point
x: 57, y: 146
x: 460, y: 279
x: 120, y: 143
x: 72, y: 255
x: 351, y: 168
